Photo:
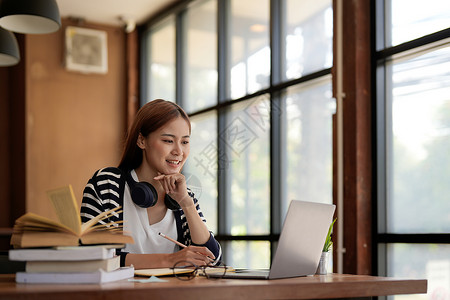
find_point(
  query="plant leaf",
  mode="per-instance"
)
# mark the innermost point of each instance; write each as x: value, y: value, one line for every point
x: 328, y: 242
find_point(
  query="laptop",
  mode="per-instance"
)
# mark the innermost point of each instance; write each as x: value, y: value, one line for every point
x: 300, y: 245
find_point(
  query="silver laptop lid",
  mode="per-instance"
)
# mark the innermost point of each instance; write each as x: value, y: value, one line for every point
x: 302, y: 238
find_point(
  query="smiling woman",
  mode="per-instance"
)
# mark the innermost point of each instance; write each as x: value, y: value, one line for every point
x: 148, y: 184
x: 165, y: 149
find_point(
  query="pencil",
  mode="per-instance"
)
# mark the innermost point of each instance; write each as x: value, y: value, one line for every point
x: 178, y: 243
x: 172, y: 240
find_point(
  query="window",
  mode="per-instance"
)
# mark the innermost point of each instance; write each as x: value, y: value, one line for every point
x: 261, y: 111
x: 422, y: 18
x: 308, y: 126
x: 250, y: 52
x: 413, y: 79
x: 419, y: 140
x: 309, y: 35
x: 160, y: 68
x: 200, y: 56
x: 201, y: 171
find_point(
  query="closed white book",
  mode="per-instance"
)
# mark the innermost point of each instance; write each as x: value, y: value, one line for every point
x: 109, y: 264
x: 62, y: 253
x: 96, y: 277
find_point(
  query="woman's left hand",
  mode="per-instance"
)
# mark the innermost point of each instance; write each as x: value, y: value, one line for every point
x: 175, y: 186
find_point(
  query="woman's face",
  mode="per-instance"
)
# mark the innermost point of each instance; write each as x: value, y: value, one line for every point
x: 166, y: 149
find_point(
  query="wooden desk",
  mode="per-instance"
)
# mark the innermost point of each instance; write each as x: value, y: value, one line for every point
x: 311, y: 287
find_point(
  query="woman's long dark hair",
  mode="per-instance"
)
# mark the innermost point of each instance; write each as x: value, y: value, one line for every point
x: 149, y: 118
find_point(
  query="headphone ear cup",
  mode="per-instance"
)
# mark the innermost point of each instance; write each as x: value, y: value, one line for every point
x: 143, y: 194
x: 170, y: 203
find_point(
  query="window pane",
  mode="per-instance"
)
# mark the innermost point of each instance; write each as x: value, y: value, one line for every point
x: 421, y: 18
x: 418, y: 148
x: 307, y: 148
x: 201, y: 56
x: 161, y: 68
x: 201, y: 167
x: 309, y: 37
x: 243, y: 254
x: 250, y: 52
x: 421, y: 261
x: 247, y: 145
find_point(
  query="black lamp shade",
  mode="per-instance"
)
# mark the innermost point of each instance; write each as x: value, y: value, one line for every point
x: 30, y: 16
x: 9, y: 49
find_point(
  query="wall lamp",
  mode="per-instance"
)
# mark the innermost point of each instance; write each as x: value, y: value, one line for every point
x: 24, y: 16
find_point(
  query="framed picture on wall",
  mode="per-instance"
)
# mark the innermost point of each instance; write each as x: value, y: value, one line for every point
x: 86, y: 50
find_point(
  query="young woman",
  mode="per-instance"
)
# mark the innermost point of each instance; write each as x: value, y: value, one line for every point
x: 153, y: 193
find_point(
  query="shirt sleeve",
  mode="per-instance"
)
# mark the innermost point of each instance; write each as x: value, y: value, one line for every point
x: 212, y: 244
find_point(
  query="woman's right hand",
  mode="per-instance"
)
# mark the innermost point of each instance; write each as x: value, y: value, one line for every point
x: 200, y: 256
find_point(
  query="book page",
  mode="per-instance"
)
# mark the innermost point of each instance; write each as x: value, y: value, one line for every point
x: 29, y: 239
x: 105, y: 237
x: 34, y: 222
x: 161, y: 272
x: 66, y: 208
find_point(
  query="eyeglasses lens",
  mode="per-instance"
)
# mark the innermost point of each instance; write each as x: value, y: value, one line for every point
x: 215, y: 271
x: 184, y: 270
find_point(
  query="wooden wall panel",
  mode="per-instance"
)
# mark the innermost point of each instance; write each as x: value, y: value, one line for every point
x: 357, y: 138
x: 12, y: 128
x: 75, y: 122
x: 358, y: 164
x: 57, y: 127
x: 4, y: 148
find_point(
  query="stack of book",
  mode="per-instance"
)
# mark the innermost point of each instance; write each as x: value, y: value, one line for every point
x: 81, y: 264
x: 68, y: 251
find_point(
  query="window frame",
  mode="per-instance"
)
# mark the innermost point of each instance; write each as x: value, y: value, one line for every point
x: 382, y: 55
x: 277, y: 86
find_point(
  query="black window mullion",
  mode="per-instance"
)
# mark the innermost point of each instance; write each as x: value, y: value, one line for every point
x: 414, y: 238
x: 223, y: 181
x: 389, y: 52
x: 277, y: 10
x: 144, y: 55
x: 382, y: 109
x: 223, y: 47
x: 379, y: 224
x: 180, y: 57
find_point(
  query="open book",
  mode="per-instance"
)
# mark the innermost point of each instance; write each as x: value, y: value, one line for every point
x: 32, y: 230
x: 158, y: 272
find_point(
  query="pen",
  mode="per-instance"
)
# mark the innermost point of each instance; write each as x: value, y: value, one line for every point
x: 178, y: 243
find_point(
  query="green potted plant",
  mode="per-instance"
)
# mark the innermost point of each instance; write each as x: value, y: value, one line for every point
x: 328, y: 241
x: 322, y: 268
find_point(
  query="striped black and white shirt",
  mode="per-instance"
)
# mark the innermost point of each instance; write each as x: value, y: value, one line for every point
x: 105, y: 191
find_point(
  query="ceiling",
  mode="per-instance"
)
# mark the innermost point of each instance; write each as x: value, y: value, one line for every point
x: 112, y: 12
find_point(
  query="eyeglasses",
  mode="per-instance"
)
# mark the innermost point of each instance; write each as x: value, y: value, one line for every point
x: 185, y: 270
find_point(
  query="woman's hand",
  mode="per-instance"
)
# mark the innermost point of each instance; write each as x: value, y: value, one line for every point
x: 175, y: 186
x: 200, y: 256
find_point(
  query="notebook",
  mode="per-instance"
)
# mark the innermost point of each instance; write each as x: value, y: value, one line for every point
x: 300, y: 245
